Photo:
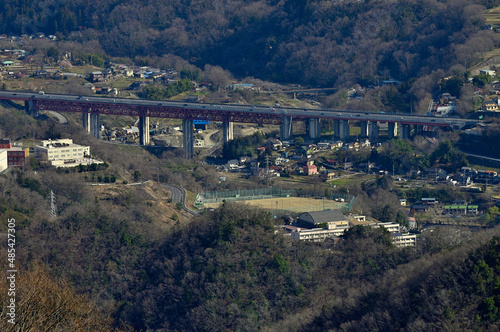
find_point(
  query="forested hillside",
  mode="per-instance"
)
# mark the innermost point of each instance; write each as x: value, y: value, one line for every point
x: 149, y: 267
x: 314, y: 42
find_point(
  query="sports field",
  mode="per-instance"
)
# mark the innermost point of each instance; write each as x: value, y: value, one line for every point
x: 493, y: 16
x: 282, y: 205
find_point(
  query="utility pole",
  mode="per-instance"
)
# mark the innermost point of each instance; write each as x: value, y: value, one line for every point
x: 267, y: 170
x: 53, y: 207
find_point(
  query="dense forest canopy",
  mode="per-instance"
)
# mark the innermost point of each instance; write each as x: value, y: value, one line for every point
x: 314, y: 42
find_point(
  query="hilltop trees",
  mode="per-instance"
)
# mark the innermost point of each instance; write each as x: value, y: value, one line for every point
x: 448, y: 156
x: 312, y: 42
x: 158, y: 92
x: 51, y: 303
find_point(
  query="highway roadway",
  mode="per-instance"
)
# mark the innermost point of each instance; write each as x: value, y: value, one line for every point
x: 252, y: 112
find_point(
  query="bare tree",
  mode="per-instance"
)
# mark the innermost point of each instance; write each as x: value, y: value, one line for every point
x: 217, y: 76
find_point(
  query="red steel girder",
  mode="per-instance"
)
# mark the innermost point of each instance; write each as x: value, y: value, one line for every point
x: 157, y: 111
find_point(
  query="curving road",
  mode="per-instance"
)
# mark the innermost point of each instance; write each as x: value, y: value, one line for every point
x: 177, y: 195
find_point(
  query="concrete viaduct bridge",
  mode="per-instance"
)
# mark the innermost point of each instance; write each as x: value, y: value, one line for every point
x: 92, y: 107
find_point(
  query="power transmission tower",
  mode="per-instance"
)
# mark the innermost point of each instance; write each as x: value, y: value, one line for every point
x: 53, y: 207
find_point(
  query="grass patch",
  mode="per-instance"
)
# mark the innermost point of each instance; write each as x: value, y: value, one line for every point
x: 341, y: 182
x: 190, y: 198
x: 354, y: 131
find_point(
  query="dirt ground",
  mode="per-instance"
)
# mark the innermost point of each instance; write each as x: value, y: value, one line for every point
x: 290, y: 204
x: 150, y: 197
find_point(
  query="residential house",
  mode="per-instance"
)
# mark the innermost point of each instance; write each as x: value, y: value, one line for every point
x: 244, y: 160
x: 327, y: 176
x: 108, y: 72
x: 418, y: 208
x: 323, y: 145
x: 128, y: 72
x: 428, y: 201
x: 41, y: 73
x: 139, y: 73
x: 233, y: 164
x: 310, y: 170
x: 412, y: 222
x: 96, y: 76
x: 487, y: 72
x: 336, y: 145
x: 274, y: 143
x: 490, y: 106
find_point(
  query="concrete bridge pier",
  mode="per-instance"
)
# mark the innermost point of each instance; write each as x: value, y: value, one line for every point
x: 95, y: 125
x: 374, y: 129
x: 286, y: 129
x: 405, y: 131
x: 336, y: 128
x: 86, y: 121
x: 419, y: 129
x: 144, y: 130
x: 227, y: 131
x: 314, y: 128
x: 187, y: 138
x: 365, y: 128
x: 392, y: 130
x: 30, y: 109
x: 344, y: 130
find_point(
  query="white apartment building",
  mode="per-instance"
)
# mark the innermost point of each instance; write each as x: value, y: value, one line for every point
x: 392, y: 227
x: 317, y: 234
x: 61, y: 149
x: 403, y: 240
